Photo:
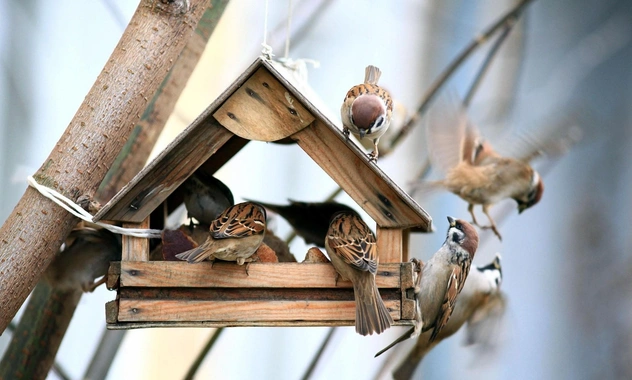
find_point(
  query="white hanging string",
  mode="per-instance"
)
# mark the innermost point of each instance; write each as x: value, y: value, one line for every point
x: 287, y: 30
x: 267, y: 49
x: 299, y: 66
x: 80, y: 213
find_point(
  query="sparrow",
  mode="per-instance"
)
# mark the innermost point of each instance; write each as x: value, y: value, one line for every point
x: 475, y: 171
x: 367, y: 109
x: 205, y: 197
x: 310, y: 220
x: 352, y: 249
x: 442, y: 279
x: 475, y: 306
x: 234, y: 236
x: 84, y: 257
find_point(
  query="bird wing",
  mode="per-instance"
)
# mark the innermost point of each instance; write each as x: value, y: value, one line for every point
x: 242, y: 220
x: 455, y: 284
x: 445, y: 133
x: 355, y: 243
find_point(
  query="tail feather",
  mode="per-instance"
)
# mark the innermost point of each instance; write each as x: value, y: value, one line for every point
x: 372, y: 74
x: 194, y: 255
x: 372, y: 316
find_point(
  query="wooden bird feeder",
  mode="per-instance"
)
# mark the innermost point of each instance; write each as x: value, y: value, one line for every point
x: 267, y: 104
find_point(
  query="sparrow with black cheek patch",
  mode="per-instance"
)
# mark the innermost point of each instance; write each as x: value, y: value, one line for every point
x: 442, y: 279
x: 205, y: 197
x: 476, y: 305
x: 352, y: 249
x: 234, y: 236
x: 475, y: 171
x: 367, y: 110
x: 85, y: 257
x: 310, y: 220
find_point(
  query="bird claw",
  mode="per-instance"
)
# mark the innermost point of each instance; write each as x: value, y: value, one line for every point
x: 346, y: 132
x: 373, y: 157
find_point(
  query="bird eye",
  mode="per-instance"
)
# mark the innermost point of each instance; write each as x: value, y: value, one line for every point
x: 459, y: 226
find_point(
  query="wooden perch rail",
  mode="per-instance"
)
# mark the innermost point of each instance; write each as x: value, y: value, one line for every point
x: 34, y: 231
x: 222, y: 294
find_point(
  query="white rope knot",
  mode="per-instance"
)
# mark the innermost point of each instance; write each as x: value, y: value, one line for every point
x: 299, y: 65
x: 266, y: 52
x: 82, y: 214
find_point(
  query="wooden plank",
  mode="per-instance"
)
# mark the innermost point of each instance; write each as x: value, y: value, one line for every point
x: 408, y: 302
x: 161, y: 177
x: 390, y: 244
x: 135, y: 248
x: 230, y: 275
x: 252, y: 294
x: 365, y: 182
x: 406, y: 245
x: 215, y: 324
x: 111, y: 311
x: 114, y: 275
x: 263, y: 109
x: 241, y: 311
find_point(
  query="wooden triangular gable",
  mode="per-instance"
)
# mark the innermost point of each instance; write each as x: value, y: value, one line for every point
x: 265, y: 104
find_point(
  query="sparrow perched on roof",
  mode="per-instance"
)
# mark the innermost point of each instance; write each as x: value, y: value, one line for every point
x: 85, y: 257
x: 475, y: 171
x: 480, y: 305
x: 442, y: 279
x: 310, y: 220
x: 352, y: 249
x: 367, y: 110
x: 205, y: 197
x: 234, y: 236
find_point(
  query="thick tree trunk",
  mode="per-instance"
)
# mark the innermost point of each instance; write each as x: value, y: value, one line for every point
x: 34, y: 231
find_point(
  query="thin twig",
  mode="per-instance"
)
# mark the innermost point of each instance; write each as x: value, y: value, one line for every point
x: 487, y: 62
x: 202, y: 355
x: 510, y: 16
x: 478, y: 78
x: 312, y: 365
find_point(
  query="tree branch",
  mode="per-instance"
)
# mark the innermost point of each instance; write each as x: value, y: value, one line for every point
x: 35, y: 230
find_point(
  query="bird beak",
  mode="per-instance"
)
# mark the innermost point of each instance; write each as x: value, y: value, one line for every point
x: 362, y: 133
x: 451, y: 221
x: 521, y: 208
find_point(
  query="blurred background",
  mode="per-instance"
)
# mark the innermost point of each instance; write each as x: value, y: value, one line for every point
x: 566, y: 262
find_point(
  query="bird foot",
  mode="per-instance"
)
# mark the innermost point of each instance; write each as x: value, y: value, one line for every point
x: 345, y: 132
x: 373, y: 157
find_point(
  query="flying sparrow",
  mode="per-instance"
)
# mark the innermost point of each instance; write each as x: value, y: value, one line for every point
x: 352, y: 249
x: 234, y: 236
x: 481, y: 290
x: 475, y: 171
x: 367, y: 109
x: 205, y: 197
x: 310, y: 220
x: 85, y: 257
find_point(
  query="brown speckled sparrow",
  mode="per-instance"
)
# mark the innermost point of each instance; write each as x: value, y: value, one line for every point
x: 352, y: 250
x: 85, y: 257
x: 205, y: 197
x: 310, y: 220
x: 367, y: 110
x: 474, y: 170
x: 477, y: 305
x: 234, y: 236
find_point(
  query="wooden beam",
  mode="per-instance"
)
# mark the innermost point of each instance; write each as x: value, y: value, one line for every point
x: 207, y: 324
x: 166, y: 274
x: 135, y: 248
x: 163, y: 175
x: 390, y: 244
x: 241, y: 311
x: 365, y: 183
x: 263, y: 109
